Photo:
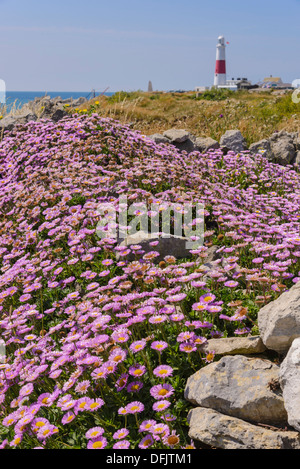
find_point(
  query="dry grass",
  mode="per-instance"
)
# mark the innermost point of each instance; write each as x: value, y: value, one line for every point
x: 256, y: 115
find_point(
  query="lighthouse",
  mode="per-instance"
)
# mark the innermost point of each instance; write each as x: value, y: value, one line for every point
x: 220, y: 72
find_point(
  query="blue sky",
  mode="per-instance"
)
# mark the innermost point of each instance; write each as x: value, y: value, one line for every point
x: 72, y: 45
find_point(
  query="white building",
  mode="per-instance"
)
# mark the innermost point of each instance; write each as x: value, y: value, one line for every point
x: 2, y: 92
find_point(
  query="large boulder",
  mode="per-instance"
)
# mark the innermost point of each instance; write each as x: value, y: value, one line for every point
x: 279, y: 321
x: 221, y: 431
x: 289, y: 377
x: 203, y: 144
x: 233, y: 140
x: 181, y: 139
x: 176, y: 135
x: 283, y: 148
x: 263, y: 147
x: 240, y: 387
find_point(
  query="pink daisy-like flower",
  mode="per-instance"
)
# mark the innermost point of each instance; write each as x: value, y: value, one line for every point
x: 73, y: 295
x: 161, y: 405
x: 158, y: 319
x: 161, y: 391
x: 92, y: 286
x: 122, y: 411
x: 68, y: 418
x: 24, y: 298
x: 26, y: 390
x: 95, y: 404
x: 107, y: 262
x: 120, y: 434
x: 94, y: 433
x: 46, y: 431
x: 176, y: 298
x: 187, y: 347
x: 99, y: 373
x: 138, y: 345
x: 199, y: 307
x: 83, y: 387
x: 163, y: 371
x: 30, y: 337
x: 185, y: 336
x: 231, y: 284
x: 146, y: 442
x: 122, y: 381
x: 159, y: 345
x: 177, y: 317
x: 16, y: 441
x: 122, y: 444
x: 136, y: 386
x: 98, y: 443
x: 38, y: 423
x: 147, y: 425
x: 135, y: 407
x: 137, y: 370
x: 117, y: 355
x: 82, y: 404
x: 161, y: 429
x: 207, y: 298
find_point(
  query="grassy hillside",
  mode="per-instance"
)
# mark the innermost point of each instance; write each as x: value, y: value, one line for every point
x: 255, y: 114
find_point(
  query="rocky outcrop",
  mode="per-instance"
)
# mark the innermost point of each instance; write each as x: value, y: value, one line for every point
x: 252, y: 401
x: 185, y: 141
x: 281, y: 148
x: 9, y: 122
x: 239, y: 387
x: 222, y: 431
x: 41, y: 108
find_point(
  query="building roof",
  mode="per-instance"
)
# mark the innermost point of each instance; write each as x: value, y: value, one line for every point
x: 273, y: 79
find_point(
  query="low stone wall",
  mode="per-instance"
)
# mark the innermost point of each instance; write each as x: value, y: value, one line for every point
x: 246, y: 400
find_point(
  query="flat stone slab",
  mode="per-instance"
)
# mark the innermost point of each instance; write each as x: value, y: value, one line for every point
x: 235, y: 346
x: 221, y: 431
x: 177, y: 135
x: 173, y: 246
x: 279, y: 321
x: 239, y: 386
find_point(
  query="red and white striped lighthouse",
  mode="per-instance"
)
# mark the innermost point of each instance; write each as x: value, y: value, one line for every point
x: 220, y: 72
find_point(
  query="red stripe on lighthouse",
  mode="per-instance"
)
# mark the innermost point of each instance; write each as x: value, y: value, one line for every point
x: 220, y: 66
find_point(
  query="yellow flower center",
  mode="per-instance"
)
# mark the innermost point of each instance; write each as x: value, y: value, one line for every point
x: 97, y: 444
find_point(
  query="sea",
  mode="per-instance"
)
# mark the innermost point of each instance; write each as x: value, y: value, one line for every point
x: 19, y: 98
